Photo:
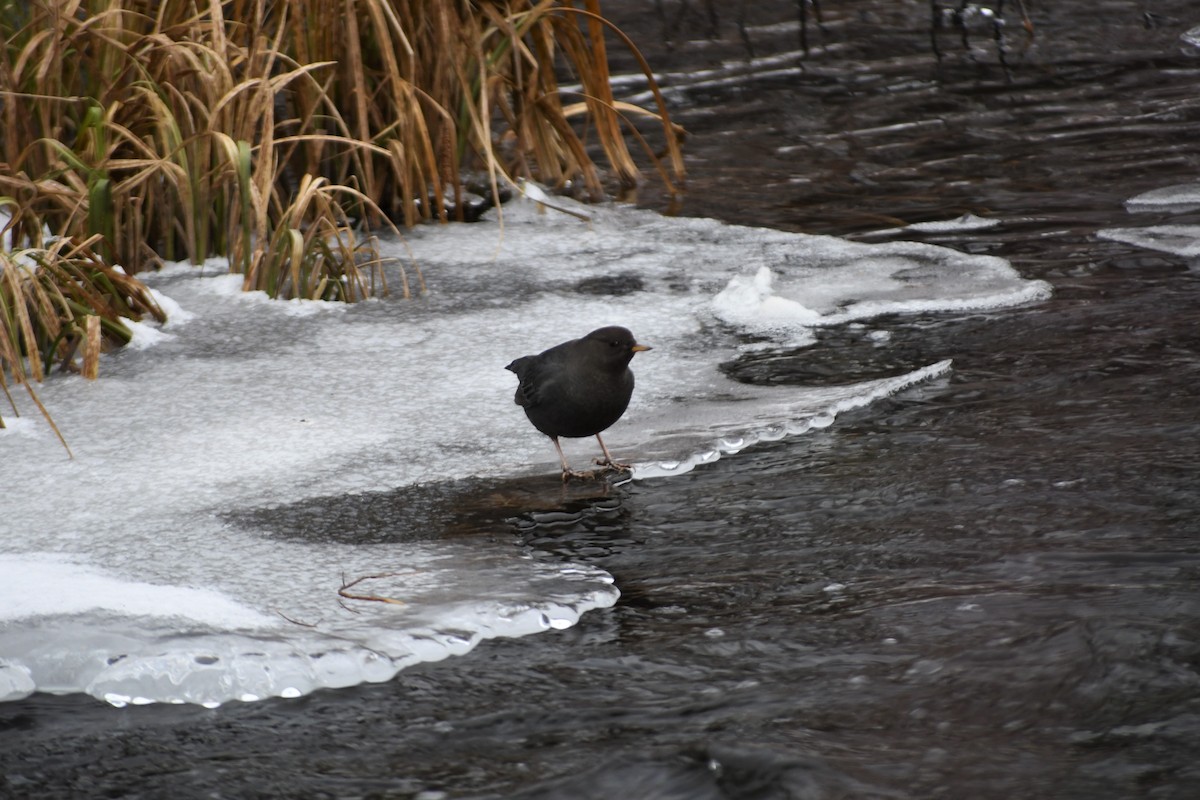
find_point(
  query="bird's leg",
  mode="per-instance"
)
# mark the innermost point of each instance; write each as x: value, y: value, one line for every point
x: 608, y: 461
x: 561, y: 457
x: 567, y: 472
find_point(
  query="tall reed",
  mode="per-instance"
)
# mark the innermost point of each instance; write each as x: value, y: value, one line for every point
x: 184, y: 129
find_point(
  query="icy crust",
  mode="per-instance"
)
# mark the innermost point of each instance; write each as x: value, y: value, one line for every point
x: 967, y: 222
x: 1180, y: 240
x: 46, y: 583
x: 1179, y: 198
x: 138, y: 588
x: 900, y: 282
x: 149, y: 659
x: 16, y: 681
x: 708, y: 435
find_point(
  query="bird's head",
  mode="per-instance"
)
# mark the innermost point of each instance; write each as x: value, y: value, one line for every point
x: 615, y: 344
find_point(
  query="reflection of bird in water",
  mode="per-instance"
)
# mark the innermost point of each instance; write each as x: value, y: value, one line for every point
x: 579, y: 388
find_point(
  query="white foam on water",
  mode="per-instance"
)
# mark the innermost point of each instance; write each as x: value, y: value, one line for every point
x: 125, y: 576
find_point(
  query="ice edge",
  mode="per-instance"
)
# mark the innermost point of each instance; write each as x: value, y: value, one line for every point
x: 781, y: 429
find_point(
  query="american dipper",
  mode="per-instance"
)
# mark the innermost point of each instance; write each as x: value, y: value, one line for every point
x: 578, y: 388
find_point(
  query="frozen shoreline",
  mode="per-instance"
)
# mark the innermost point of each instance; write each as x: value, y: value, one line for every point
x: 147, y: 594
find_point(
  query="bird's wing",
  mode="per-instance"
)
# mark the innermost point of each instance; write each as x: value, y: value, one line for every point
x: 529, y: 375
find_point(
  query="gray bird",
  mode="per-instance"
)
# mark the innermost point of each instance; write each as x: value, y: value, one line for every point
x: 579, y: 388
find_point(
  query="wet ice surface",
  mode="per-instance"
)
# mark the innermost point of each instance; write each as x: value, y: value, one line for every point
x: 1181, y: 240
x: 967, y: 222
x: 1172, y: 202
x: 1179, y: 198
x: 164, y: 573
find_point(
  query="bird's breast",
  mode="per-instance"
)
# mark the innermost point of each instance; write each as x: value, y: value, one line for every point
x: 581, y: 404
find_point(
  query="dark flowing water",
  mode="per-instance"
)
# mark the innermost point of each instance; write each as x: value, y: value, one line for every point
x: 988, y: 587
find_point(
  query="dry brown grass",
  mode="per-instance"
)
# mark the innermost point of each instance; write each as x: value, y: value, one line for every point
x: 134, y: 121
x: 58, y: 301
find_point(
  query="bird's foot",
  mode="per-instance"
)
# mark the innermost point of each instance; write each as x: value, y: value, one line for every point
x: 569, y: 475
x: 608, y: 465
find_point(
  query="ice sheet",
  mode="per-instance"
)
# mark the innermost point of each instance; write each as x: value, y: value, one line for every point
x: 865, y: 281
x: 1180, y: 240
x: 1191, y: 40
x: 1179, y: 198
x: 967, y: 222
x: 130, y: 573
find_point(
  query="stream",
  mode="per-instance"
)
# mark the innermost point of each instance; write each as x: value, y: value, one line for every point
x: 986, y: 586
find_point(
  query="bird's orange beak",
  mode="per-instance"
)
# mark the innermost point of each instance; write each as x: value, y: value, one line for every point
x: 641, y: 348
